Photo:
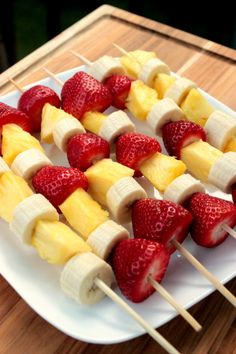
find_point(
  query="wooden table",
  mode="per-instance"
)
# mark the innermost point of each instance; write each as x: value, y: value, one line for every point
x: 213, y: 67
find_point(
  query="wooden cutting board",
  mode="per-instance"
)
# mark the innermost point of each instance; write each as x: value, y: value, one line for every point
x: 213, y: 68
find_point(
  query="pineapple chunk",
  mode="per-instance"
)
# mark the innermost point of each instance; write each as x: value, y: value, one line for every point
x: 50, y: 116
x: 56, y: 242
x: 199, y: 158
x: 161, y: 170
x: 83, y: 213
x: 162, y: 83
x: 15, y: 140
x: 103, y: 175
x: 231, y: 145
x: 131, y: 65
x: 141, y: 99
x: 13, y: 189
x: 196, y: 108
x: 92, y: 121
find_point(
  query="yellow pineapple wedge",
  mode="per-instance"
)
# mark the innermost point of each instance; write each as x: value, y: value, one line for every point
x: 199, y: 158
x: 103, y: 175
x: 50, y: 116
x: 13, y: 189
x: 161, y: 170
x: 83, y: 213
x: 15, y: 140
x: 231, y: 146
x: 141, y: 99
x: 162, y: 83
x: 132, y: 63
x: 92, y: 121
x: 56, y: 242
x: 196, y: 108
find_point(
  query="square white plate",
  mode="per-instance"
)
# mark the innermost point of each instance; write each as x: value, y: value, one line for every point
x: 38, y: 282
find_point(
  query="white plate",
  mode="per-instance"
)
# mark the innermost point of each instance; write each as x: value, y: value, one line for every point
x: 38, y: 282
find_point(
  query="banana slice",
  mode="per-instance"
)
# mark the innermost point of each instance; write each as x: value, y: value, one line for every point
x: 66, y: 129
x: 3, y: 167
x: 117, y: 123
x: 105, y: 67
x: 151, y: 69
x: 28, y: 212
x: 223, y: 172
x: 121, y: 196
x: 220, y: 128
x: 78, y: 275
x: 164, y: 111
x: 179, y: 89
x: 105, y: 237
x: 182, y: 188
x: 29, y: 162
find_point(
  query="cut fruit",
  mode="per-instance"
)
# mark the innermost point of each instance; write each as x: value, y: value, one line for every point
x: 161, y: 170
x: 92, y: 121
x: 50, y: 116
x: 141, y: 99
x: 104, y: 67
x: 15, y: 140
x: 103, y: 175
x: 180, y: 89
x: 196, y: 108
x: 231, y: 146
x: 151, y: 69
x: 133, y: 65
x: 13, y: 189
x: 162, y: 83
x: 83, y: 213
x: 56, y: 242
x: 199, y: 158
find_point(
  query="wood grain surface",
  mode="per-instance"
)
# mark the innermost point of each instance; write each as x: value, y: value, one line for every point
x: 213, y: 68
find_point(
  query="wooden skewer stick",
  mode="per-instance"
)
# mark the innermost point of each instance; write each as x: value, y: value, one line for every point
x: 179, y: 308
x: 228, y: 229
x: 18, y: 86
x: 150, y: 330
x: 59, y: 81
x: 163, y: 292
x: 130, y: 55
x: 82, y: 58
x: 220, y: 287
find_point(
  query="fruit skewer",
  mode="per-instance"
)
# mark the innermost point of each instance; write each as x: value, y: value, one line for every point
x: 27, y: 164
x: 80, y: 273
x: 220, y: 127
x: 165, y: 111
x: 209, y: 276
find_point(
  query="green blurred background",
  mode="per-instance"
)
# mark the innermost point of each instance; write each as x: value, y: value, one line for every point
x: 26, y: 24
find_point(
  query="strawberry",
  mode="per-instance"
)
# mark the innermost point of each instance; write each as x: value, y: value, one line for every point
x: 84, y: 149
x: 133, y: 148
x: 177, y: 135
x: 133, y: 261
x: 119, y: 86
x: 32, y: 101
x: 57, y: 183
x: 82, y: 93
x: 160, y: 221
x: 209, y: 214
x: 9, y: 115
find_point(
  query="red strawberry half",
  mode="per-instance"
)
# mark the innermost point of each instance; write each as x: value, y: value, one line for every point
x: 119, y: 86
x: 209, y: 214
x: 160, y: 221
x: 177, y: 135
x: 132, y: 149
x: 32, y: 101
x: 9, y: 115
x: 84, y: 149
x: 82, y: 93
x: 134, y: 260
x: 57, y: 183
